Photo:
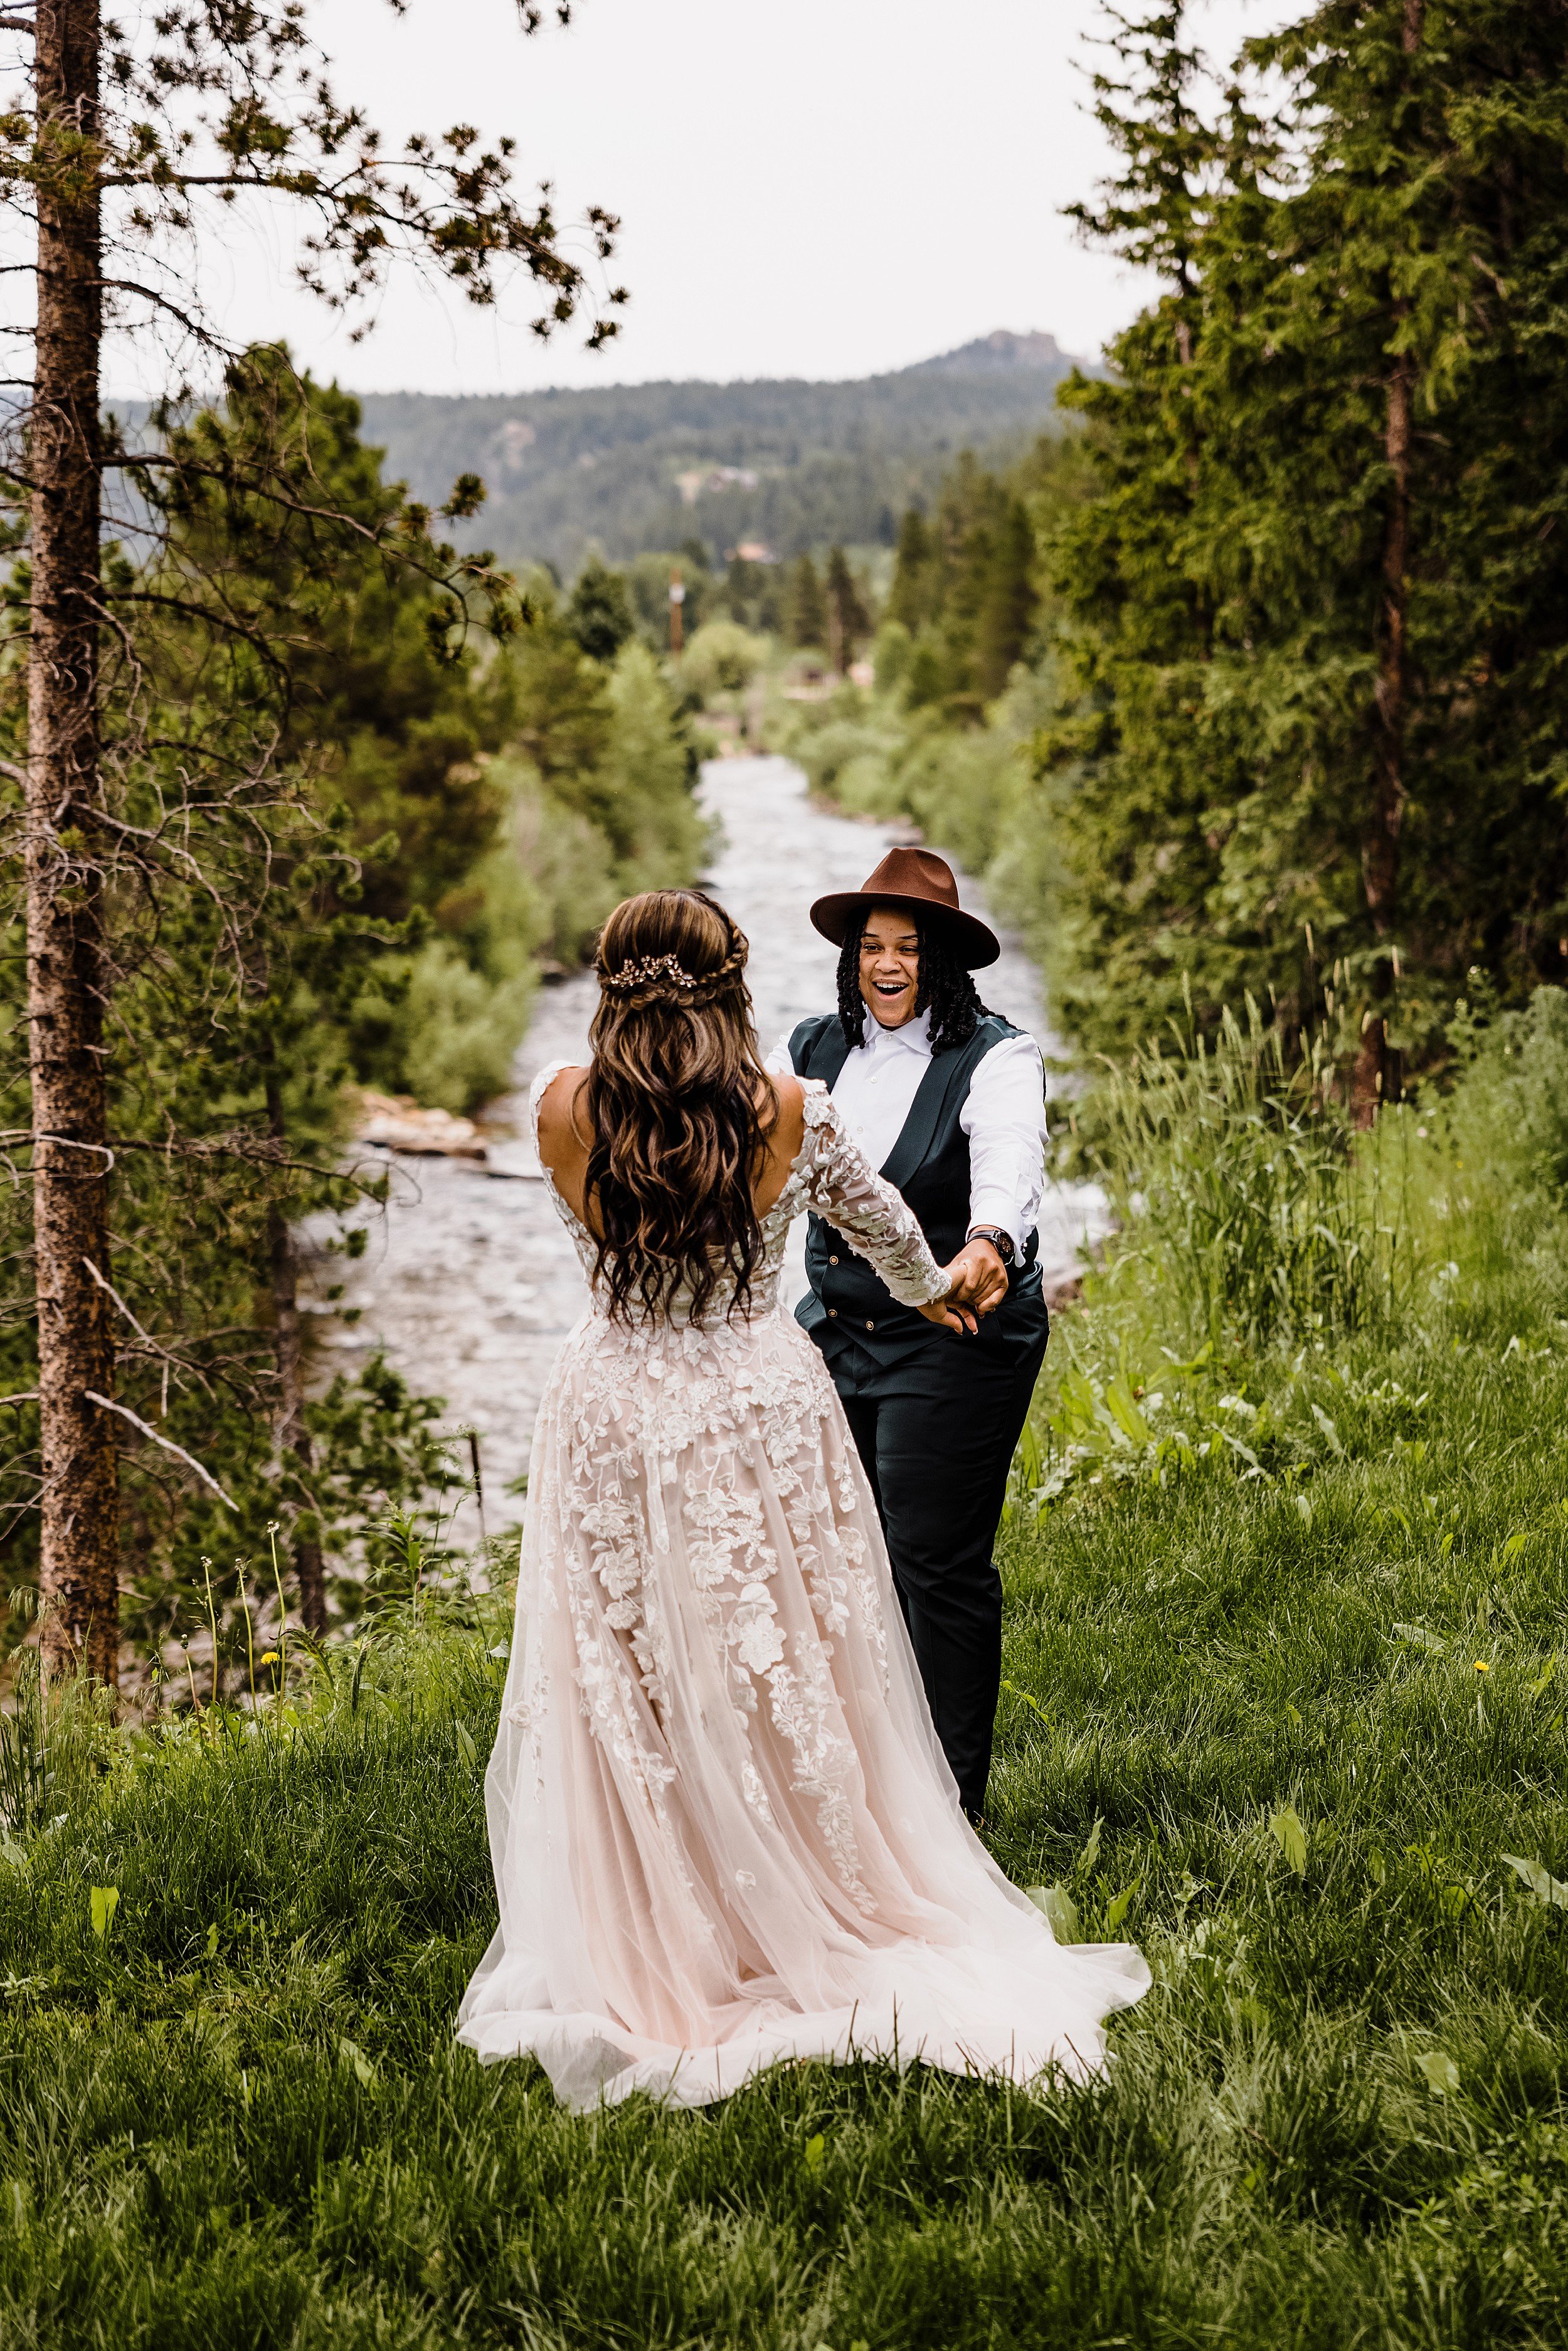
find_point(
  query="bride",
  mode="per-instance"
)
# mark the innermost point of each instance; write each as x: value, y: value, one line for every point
x: 723, y: 1831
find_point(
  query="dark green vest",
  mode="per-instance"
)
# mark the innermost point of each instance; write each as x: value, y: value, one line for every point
x: 848, y: 1305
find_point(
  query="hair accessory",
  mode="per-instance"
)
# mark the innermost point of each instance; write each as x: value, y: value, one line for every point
x: 642, y: 975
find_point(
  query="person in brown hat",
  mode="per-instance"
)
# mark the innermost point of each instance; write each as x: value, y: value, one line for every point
x: 949, y: 1101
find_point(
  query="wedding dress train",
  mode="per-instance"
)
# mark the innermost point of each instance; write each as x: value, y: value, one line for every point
x: 723, y: 1831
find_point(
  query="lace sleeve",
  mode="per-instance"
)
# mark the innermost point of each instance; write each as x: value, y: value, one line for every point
x: 841, y: 1185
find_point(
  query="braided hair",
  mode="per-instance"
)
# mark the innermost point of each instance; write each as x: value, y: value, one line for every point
x: 945, y: 988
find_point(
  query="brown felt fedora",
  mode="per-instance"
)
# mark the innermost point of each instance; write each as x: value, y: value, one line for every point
x: 911, y: 877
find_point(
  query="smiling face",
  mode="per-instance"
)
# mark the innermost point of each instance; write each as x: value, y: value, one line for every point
x: 890, y: 964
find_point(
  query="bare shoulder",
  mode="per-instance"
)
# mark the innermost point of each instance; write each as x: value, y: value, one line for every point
x: 559, y: 1128
x: 790, y: 1131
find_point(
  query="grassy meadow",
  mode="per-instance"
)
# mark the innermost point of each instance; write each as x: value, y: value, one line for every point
x: 1287, y: 1680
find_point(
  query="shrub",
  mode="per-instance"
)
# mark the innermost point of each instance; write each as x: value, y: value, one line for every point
x: 722, y: 658
x: 460, y: 1029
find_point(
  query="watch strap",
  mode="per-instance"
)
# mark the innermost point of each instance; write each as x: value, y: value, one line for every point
x: 1001, y: 1240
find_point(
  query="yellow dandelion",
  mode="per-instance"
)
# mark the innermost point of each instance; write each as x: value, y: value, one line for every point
x: 269, y: 1658
x: 1482, y: 1666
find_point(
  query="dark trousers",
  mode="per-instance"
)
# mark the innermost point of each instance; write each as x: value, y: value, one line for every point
x: 936, y: 1437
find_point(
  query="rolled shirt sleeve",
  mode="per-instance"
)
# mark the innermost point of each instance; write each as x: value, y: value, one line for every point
x: 777, y: 1064
x: 1004, y: 1119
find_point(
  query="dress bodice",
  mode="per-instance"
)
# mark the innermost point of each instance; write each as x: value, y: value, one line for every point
x: 832, y: 1178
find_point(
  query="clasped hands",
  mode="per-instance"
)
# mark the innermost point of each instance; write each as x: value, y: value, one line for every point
x: 978, y: 1283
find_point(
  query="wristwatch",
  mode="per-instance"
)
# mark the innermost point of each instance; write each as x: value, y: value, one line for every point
x: 1001, y: 1240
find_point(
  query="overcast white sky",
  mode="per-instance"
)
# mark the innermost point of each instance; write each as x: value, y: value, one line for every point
x: 808, y: 187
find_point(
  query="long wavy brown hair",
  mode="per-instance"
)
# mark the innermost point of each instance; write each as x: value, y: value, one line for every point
x: 678, y: 1107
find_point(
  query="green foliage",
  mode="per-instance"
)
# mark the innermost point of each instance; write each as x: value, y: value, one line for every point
x: 648, y: 577
x: 458, y: 1031
x: 600, y: 614
x: 722, y: 658
x: 805, y: 606
x: 1260, y: 1234
x: 847, y: 620
x: 753, y: 595
x: 965, y: 586
x: 1515, y: 1083
x: 972, y: 790
x: 1372, y: 211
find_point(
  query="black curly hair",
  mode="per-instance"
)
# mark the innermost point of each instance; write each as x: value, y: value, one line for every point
x: 946, y: 987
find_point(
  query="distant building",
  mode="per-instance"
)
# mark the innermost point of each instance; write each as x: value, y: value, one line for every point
x: 755, y: 550
x: 704, y: 480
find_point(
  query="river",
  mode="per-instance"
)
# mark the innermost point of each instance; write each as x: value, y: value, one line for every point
x: 469, y: 1283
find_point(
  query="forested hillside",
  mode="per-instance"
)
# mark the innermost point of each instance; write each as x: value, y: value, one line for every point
x: 568, y: 469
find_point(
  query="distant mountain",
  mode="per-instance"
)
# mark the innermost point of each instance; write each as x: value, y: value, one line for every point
x: 1000, y: 349
x: 789, y: 466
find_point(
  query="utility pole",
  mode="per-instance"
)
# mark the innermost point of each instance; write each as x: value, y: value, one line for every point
x: 677, y: 598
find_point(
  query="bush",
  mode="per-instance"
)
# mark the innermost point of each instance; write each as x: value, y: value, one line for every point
x: 1514, y: 1087
x: 722, y: 658
x: 459, y: 1031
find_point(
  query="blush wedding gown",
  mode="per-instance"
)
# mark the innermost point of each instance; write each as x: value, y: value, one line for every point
x: 723, y: 1831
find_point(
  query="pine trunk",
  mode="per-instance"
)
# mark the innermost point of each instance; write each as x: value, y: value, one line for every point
x: 293, y: 1436
x: 1376, y: 1064
x: 79, y: 1542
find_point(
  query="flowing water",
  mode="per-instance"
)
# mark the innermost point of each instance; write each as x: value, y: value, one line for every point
x: 469, y: 1282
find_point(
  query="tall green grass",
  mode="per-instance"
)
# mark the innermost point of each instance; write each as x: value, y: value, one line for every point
x: 1245, y: 1194
x: 1286, y: 1703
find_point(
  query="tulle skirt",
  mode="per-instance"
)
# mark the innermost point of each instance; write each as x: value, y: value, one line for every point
x: 723, y: 1835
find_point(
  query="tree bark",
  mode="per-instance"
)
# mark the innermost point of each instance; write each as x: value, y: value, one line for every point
x: 65, y: 845
x: 1376, y: 1064
x: 293, y: 1436
x: 1380, y: 850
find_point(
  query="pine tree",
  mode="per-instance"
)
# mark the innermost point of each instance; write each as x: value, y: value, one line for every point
x: 806, y: 606
x: 849, y: 622
x: 1317, y: 608
x: 912, y: 599
x: 600, y: 614
x: 181, y: 109
x: 1008, y: 601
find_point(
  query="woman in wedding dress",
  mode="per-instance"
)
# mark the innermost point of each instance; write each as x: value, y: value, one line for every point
x: 723, y: 1831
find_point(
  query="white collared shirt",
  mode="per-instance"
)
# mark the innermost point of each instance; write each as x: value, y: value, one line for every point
x: 1004, y: 1116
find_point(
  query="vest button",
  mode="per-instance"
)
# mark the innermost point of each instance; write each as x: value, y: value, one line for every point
x: 833, y: 1313
x: 871, y: 1326
x: 832, y: 1261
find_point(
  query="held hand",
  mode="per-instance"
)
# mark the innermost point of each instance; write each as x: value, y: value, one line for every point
x: 979, y: 1277
x: 948, y: 1314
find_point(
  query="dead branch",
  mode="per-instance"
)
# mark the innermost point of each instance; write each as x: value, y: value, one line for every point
x: 167, y: 1443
